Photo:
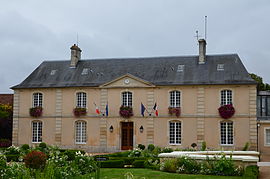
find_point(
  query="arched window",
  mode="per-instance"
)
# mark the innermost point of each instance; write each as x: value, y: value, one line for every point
x: 226, y: 97
x: 36, y: 131
x: 81, y: 99
x: 127, y: 99
x: 80, y: 133
x: 37, y: 99
x: 175, y: 132
x: 226, y: 133
x: 175, y: 99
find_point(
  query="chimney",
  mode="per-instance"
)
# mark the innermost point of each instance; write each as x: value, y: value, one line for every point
x: 202, y: 51
x: 75, y: 55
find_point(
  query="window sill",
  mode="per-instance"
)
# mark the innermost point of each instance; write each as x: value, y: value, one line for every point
x: 78, y: 143
x: 36, y: 142
x: 226, y: 145
x: 175, y: 144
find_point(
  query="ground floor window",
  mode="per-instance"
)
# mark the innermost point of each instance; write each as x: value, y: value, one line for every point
x: 175, y: 132
x: 80, y: 137
x: 36, y: 131
x: 267, y: 136
x: 226, y: 133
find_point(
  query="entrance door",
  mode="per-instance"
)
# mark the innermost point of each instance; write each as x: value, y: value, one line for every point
x: 127, y: 135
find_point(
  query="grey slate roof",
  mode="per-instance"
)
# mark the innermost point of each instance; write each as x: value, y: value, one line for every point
x: 156, y: 70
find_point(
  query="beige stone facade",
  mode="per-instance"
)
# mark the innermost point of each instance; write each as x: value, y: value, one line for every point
x: 200, y: 120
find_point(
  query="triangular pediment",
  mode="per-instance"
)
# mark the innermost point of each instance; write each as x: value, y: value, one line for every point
x: 127, y: 80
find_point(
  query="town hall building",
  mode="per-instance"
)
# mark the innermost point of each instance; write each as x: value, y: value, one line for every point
x: 107, y: 105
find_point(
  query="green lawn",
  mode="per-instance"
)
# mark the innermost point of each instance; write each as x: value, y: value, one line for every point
x: 111, y: 173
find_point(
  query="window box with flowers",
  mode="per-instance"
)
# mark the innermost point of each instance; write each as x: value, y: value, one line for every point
x: 174, y: 111
x: 79, y: 111
x: 36, y: 111
x: 226, y: 111
x: 126, y: 111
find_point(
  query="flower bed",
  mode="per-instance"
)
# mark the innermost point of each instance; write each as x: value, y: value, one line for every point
x: 78, y: 111
x: 174, y: 111
x: 226, y: 111
x: 126, y: 111
x: 35, y: 111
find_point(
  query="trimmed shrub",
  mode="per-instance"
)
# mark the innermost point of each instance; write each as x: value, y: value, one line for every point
x: 35, y: 160
x: 138, y: 163
x: 112, y: 164
x: 151, y: 147
x: 43, y: 145
x: 141, y: 146
x: 167, y: 150
x: 251, y: 172
x: 13, y: 158
x: 25, y: 147
x: 120, y: 154
x: 169, y: 165
x: 203, y: 146
x: 188, y: 165
x: 152, y: 163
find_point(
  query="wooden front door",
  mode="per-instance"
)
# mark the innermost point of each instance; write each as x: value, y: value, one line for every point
x: 127, y: 135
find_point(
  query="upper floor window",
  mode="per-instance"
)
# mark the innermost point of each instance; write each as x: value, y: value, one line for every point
x: 127, y: 99
x: 37, y: 99
x: 267, y: 136
x: 81, y: 99
x: 175, y: 132
x: 226, y: 133
x: 36, y: 131
x: 226, y: 97
x: 175, y: 98
x: 80, y: 133
x: 263, y: 106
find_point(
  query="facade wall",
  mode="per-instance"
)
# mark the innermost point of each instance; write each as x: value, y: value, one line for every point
x: 199, y: 116
x: 264, y: 148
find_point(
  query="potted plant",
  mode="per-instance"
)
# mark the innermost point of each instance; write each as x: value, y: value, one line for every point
x: 174, y: 111
x: 126, y: 111
x: 226, y: 111
x: 79, y: 111
x: 36, y: 111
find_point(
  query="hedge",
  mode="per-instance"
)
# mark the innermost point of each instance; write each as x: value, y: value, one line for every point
x: 138, y: 163
x: 13, y: 158
x: 112, y: 164
x: 251, y: 172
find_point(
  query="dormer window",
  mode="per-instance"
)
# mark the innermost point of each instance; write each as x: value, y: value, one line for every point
x: 220, y: 67
x: 53, y: 72
x: 180, y: 68
x: 85, y: 71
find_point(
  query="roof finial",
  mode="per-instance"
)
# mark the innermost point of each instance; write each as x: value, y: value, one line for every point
x: 205, y: 27
x: 77, y: 39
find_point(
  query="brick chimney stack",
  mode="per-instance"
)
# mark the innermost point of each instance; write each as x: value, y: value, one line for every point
x: 202, y: 51
x: 75, y: 55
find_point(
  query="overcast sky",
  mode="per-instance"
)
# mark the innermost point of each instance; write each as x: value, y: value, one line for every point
x: 32, y: 31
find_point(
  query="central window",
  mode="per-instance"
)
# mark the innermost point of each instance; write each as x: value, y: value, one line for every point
x: 81, y: 99
x: 226, y: 133
x: 175, y: 99
x: 36, y: 131
x: 37, y: 99
x: 127, y: 98
x: 175, y: 132
x: 80, y: 137
x: 226, y: 97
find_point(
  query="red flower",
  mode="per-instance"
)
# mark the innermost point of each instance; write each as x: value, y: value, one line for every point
x: 35, y: 111
x: 35, y: 159
x: 174, y: 110
x: 226, y: 111
x: 78, y: 111
x: 126, y: 111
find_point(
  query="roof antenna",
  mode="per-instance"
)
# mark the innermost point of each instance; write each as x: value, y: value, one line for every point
x: 205, y: 27
x: 77, y: 39
x: 197, y: 35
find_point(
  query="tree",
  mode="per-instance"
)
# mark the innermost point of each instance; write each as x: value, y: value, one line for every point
x: 260, y: 86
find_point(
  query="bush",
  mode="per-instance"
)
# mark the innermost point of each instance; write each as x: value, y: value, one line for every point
x: 120, y: 154
x: 25, y: 147
x: 141, y: 146
x: 169, y: 165
x: 138, y: 163
x: 167, y: 150
x: 224, y: 166
x: 112, y: 164
x: 151, y: 147
x: 43, y: 145
x: 252, y: 172
x: 35, y: 160
x: 152, y: 163
x: 12, y: 153
x: 203, y: 146
x: 188, y: 165
x: 85, y: 164
x: 13, y: 158
x: 5, y: 143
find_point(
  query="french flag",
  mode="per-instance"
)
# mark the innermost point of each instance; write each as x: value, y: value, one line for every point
x: 97, y: 110
x: 156, y: 110
x: 142, y: 109
x: 107, y: 110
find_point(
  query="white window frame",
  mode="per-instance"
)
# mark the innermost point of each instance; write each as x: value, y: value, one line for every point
x: 127, y: 98
x: 265, y: 137
x: 37, y: 99
x: 175, y: 132
x: 226, y: 97
x: 37, y: 131
x: 81, y: 99
x: 227, y: 133
x: 80, y: 132
x: 174, y: 97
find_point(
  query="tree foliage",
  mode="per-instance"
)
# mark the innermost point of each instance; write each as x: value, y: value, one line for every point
x: 261, y: 85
